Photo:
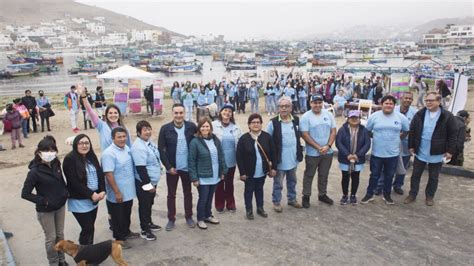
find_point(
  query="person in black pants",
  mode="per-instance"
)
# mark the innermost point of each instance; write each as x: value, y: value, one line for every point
x: 146, y: 158
x: 256, y: 157
x: 30, y: 103
x: 87, y: 119
x: 86, y: 185
x: 148, y: 93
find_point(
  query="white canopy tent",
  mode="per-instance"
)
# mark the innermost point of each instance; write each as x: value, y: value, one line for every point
x: 126, y: 72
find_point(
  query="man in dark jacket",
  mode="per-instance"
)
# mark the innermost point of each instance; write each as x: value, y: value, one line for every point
x: 286, y: 136
x: 149, y: 99
x: 30, y: 103
x: 432, y: 138
x: 173, y: 142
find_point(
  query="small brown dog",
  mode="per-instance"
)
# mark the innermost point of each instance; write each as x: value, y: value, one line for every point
x: 92, y: 254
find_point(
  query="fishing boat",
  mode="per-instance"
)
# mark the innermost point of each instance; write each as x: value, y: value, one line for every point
x: 37, y: 58
x: 184, y: 67
x: 241, y: 65
x: 323, y: 62
x: 87, y: 70
x: 378, y: 61
x: 48, y: 68
x: 20, y: 70
x: 355, y: 60
x: 218, y: 57
x: 417, y: 57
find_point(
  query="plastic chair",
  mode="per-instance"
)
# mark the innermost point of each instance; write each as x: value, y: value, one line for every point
x: 365, y: 104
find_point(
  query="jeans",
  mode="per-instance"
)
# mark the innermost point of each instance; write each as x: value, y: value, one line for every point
x: 399, y: 179
x: 172, y: 183
x: 24, y: 127
x: 146, y: 200
x: 290, y: 185
x: 220, y: 101
x: 225, y: 191
x: 86, y: 221
x: 254, y: 186
x: 254, y: 105
x: 322, y: 163
x: 379, y: 165
x: 120, y: 213
x: 204, y: 204
x: 86, y: 119
x: 270, y: 106
x: 44, y: 117
x: 53, y: 228
x: 188, y: 113
x: 303, y: 104
x: 33, y: 121
x: 433, y: 173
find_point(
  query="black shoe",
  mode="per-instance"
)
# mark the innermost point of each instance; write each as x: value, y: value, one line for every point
x: 367, y: 199
x: 148, y: 235
x: 132, y: 235
x: 388, y: 200
x: 326, y: 199
x: 261, y: 212
x: 250, y: 215
x: 63, y: 263
x: 398, y: 190
x: 154, y: 227
x: 305, y: 202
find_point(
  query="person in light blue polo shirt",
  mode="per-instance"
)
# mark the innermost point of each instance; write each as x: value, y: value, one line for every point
x: 409, y: 111
x: 318, y: 129
x: 146, y: 157
x: 117, y: 164
x: 387, y: 128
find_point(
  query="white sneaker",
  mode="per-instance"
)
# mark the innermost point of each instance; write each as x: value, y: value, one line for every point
x: 212, y: 220
x: 202, y: 225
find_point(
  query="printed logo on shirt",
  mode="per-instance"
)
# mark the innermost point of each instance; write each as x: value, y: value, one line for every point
x: 396, y: 122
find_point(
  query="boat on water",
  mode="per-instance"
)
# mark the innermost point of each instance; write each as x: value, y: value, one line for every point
x: 241, y: 65
x: 355, y: 60
x: 378, y: 61
x: 323, y: 62
x: 48, y: 68
x: 21, y: 70
x: 184, y: 67
x: 218, y: 57
x: 87, y: 70
x: 35, y: 57
x: 417, y: 57
x: 99, y: 60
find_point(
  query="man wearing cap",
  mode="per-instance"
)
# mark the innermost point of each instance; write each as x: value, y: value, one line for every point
x: 318, y: 129
x: 284, y: 130
x: 432, y: 139
x: 228, y: 132
x: 387, y: 128
x: 408, y: 111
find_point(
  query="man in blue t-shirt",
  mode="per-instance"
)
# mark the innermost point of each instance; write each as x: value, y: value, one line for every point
x: 409, y: 111
x: 117, y: 164
x: 318, y: 129
x: 173, y: 142
x: 387, y: 128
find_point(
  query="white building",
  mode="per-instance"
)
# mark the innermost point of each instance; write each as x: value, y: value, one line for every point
x: 145, y: 35
x: 114, y: 39
x: 101, y: 19
x: 96, y: 28
x: 453, y: 34
x: 5, y: 41
x: 57, y: 42
x: 89, y: 43
x: 76, y: 35
x: 79, y: 20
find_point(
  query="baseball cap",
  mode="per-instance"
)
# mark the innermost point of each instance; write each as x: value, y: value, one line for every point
x: 228, y: 105
x: 353, y: 113
x: 317, y: 97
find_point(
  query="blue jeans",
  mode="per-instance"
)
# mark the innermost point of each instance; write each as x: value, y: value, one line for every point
x: 379, y: 166
x: 24, y: 127
x: 254, y: 105
x: 253, y: 185
x: 303, y: 104
x: 290, y: 185
x: 399, y: 179
x: 220, y: 101
x: 204, y: 204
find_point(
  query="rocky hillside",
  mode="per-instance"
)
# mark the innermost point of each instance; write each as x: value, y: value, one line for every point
x: 30, y: 12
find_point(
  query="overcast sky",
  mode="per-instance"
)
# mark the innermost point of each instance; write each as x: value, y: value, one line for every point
x: 280, y: 19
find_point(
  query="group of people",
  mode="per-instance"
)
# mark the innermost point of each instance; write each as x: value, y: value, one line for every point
x: 208, y: 154
x: 24, y: 112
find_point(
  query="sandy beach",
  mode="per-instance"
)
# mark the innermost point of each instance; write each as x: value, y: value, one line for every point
x: 372, y: 234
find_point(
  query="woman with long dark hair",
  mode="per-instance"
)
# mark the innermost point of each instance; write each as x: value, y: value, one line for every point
x: 45, y: 176
x: 86, y: 185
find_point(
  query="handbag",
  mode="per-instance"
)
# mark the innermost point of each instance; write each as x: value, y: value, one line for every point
x: 50, y: 112
x: 265, y: 155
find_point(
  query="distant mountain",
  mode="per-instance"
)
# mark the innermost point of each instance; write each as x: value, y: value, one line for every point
x: 402, y: 32
x: 31, y: 12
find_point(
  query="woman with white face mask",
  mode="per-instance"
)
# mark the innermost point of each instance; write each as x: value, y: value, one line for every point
x: 46, y: 178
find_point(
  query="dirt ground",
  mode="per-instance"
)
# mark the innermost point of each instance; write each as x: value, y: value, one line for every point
x: 371, y: 234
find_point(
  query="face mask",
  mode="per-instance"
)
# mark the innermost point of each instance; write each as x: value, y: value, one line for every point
x: 41, y: 94
x: 48, y: 156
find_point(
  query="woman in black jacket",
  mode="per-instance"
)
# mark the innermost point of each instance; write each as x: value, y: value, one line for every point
x: 256, y: 157
x: 86, y: 185
x: 46, y: 177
